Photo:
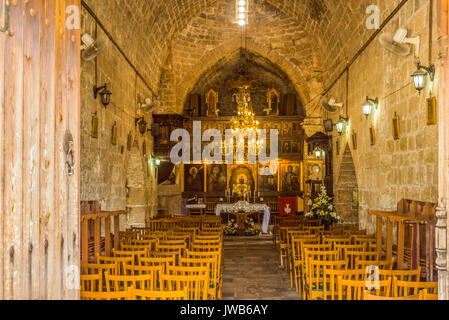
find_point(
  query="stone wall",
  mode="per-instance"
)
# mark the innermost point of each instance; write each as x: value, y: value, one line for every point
x: 105, y: 167
x: 390, y: 170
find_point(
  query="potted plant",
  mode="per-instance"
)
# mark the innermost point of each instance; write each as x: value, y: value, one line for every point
x: 323, y: 209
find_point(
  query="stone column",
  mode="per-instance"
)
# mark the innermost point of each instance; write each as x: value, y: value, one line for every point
x: 441, y: 233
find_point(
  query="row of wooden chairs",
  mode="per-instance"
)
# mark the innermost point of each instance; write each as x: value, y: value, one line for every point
x: 168, y: 259
x: 338, y: 264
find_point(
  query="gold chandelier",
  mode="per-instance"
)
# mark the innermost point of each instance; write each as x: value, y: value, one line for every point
x: 245, y: 119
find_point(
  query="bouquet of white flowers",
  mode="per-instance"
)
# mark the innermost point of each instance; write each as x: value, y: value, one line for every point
x: 250, y: 227
x: 324, y: 210
x: 231, y: 229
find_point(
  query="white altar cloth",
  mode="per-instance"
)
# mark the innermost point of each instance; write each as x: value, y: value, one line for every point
x: 243, y: 206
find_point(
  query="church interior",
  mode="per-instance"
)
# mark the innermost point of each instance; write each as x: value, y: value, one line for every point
x: 224, y: 149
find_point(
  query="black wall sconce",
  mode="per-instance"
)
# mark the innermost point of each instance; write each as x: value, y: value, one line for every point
x: 419, y: 77
x: 142, y: 125
x: 341, y: 125
x: 104, y: 93
x: 368, y: 106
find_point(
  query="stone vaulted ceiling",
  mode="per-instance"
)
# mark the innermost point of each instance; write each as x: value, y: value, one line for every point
x: 176, y: 41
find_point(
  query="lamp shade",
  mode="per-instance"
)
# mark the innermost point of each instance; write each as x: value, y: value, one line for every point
x: 340, y: 127
x: 106, y: 97
x: 367, y: 107
x: 419, y: 78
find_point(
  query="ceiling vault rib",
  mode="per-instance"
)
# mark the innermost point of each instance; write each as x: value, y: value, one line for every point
x: 97, y: 20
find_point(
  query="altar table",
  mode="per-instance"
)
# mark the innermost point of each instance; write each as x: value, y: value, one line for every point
x: 246, y: 209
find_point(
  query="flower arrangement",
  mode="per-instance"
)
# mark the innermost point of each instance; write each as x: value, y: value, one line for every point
x: 250, y: 229
x: 231, y: 229
x: 324, y: 210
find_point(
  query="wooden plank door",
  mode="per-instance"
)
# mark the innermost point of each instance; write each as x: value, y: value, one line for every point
x: 39, y: 200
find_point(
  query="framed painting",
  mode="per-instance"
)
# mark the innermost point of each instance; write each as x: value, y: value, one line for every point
x: 337, y: 147
x: 268, y: 180
x: 431, y: 111
x: 287, y: 128
x: 193, y: 178
x: 396, y: 128
x: 296, y: 147
x: 95, y: 126
x: 372, y: 135
x: 216, y: 177
x: 114, y: 134
x: 290, y: 177
x: 328, y: 125
x: 242, y: 178
x: 297, y: 129
x: 129, y: 141
x: 286, y: 147
x: 354, y: 140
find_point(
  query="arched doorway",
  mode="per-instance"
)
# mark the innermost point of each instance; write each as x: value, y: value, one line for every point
x: 345, y: 188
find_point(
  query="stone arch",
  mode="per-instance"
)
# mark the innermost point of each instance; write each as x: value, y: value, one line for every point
x: 136, y: 202
x: 347, y: 183
x: 213, y: 57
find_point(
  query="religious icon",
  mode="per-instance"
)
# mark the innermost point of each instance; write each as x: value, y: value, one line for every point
x: 114, y: 134
x: 212, y: 102
x: 194, y: 178
x: 164, y: 136
x: 396, y: 129
x: 268, y: 180
x: 95, y: 126
x: 290, y: 177
x: 295, y: 147
x: 286, y: 147
x: 242, y: 182
x: 328, y: 125
x: 273, y: 100
x: 354, y: 140
x: 431, y: 111
x: 372, y: 136
x: 216, y: 178
x: 129, y: 141
x: 287, y: 128
x: 297, y: 129
x: 337, y: 147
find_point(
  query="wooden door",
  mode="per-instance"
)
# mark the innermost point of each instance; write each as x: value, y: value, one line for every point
x: 39, y: 200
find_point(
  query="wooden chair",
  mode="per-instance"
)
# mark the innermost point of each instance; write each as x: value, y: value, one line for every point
x: 154, y: 271
x: 91, y: 283
x: 381, y: 264
x: 355, y: 290
x: 91, y: 268
x: 360, y: 256
x: 407, y: 288
x: 163, y: 262
x: 135, y: 255
x: 297, y: 256
x: 196, y: 285
x: 344, y: 248
x: 316, y: 271
x: 368, y: 296
x: 118, y: 262
x: 121, y: 283
x: 401, y: 275
x: 429, y: 296
x: 313, y: 252
x: 330, y: 279
x: 160, y: 295
x: 154, y: 225
x: 119, y: 295
x: 334, y: 241
x: 208, y: 263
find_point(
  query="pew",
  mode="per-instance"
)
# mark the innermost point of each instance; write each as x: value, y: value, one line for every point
x: 415, y: 222
x: 92, y: 218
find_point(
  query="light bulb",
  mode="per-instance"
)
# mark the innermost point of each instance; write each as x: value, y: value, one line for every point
x: 242, y: 9
x: 242, y: 3
x: 242, y: 16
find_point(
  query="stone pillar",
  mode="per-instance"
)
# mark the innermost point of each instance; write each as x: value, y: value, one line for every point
x: 441, y: 234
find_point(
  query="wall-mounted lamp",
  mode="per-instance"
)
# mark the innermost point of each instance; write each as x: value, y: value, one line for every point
x: 104, y: 93
x: 157, y: 162
x: 319, y: 153
x: 368, y: 106
x: 341, y: 124
x: 142, y: 125
x: 419, y: 77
